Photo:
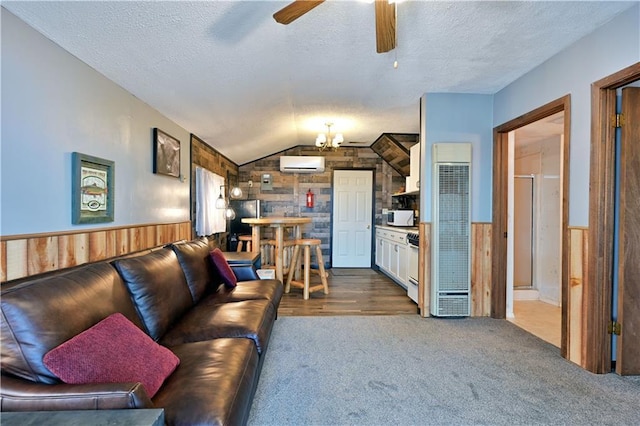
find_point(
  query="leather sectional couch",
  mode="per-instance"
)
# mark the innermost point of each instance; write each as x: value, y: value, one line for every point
x: 173, y: 294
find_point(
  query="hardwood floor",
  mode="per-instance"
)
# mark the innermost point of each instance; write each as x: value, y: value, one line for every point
x: 351, y: 292
x: 538, y: 318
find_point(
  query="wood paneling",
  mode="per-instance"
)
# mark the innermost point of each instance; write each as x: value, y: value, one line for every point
x: 16, y: 262
x: 26, y: 255
x: 481, y: 260
x: 42, y: 255
x: 481, y: 269
x: 3, y: 261
x: 578, y: 248
x: 73, y: 250
x: 424, y: 269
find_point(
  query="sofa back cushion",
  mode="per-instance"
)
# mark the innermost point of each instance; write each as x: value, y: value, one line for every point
x: 40, y: 314
x: 196, y: 265
x: 157, y: 287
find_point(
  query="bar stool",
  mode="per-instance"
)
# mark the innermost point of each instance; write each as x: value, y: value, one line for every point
x: 246, y: 239
x: 297, y: 253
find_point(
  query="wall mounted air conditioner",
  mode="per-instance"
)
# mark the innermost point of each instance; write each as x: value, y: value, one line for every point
x: 451, y: 234
x: 301, y: 164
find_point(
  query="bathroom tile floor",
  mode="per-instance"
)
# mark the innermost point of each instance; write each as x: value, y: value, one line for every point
x: 538, y: 318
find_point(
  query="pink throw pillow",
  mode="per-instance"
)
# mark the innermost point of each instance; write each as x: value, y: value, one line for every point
x: 224, y: 270
x: 112, y: 351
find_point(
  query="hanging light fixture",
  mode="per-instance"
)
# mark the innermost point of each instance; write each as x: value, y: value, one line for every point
x: 326, y: 140
x: 223, y: 203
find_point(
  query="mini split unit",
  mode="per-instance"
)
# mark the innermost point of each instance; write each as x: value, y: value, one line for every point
x: 301, y: 164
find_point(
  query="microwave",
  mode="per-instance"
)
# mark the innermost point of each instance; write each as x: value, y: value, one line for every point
x: 400, y: 218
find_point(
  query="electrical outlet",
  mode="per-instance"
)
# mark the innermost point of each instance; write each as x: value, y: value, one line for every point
x: 250, y: 183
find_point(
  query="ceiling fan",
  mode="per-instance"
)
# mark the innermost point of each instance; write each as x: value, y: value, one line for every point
x: 385, y: 20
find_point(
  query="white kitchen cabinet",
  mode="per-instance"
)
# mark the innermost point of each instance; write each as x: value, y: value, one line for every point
x: 391, y: 253
x: 403, y: 263
x: 413, y: 180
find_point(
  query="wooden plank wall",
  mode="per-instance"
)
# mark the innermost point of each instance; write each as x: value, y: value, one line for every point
x: 480, y: 269
x: 27, y: 255
x: 578, y: 272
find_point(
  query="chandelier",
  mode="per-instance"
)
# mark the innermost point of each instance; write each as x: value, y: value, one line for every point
x: 326, y: 140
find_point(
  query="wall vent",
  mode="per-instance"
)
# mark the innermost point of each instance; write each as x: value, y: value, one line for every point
x: 451, y: 261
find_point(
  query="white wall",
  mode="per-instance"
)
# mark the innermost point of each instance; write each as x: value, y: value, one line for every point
x: 54, y: 104
x: 611, y: 48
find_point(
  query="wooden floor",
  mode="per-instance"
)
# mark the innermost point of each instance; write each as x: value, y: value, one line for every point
x: 538, y: 318
x: 351, y: 292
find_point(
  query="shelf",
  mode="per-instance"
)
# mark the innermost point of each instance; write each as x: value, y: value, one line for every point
x: 404, y: 194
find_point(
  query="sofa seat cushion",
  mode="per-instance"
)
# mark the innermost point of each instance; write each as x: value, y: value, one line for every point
x: 158, y: 289
x: 252, y: 319
x: 42, y: 313
x: 112, y: 351
x: 213, y: 385
x: 270, y: 290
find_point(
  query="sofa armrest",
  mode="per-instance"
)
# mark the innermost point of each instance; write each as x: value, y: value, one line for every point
x: 245, y: 272
x: 21, y: 395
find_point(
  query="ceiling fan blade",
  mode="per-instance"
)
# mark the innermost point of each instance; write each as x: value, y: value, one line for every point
x: 385, y: 26
x: 294, y: 10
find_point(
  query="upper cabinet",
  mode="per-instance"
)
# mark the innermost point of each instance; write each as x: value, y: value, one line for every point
x: 413, y: 180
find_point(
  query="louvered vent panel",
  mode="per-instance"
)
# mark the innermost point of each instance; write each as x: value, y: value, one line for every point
x: 453, y: 227
x: 451, y: 262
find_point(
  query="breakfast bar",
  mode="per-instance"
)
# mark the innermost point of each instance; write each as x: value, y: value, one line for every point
x: 279, y: 223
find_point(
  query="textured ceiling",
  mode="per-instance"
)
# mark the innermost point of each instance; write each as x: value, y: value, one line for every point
x: 250, y: 87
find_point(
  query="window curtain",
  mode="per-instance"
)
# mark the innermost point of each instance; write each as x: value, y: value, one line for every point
x: 209, y: 219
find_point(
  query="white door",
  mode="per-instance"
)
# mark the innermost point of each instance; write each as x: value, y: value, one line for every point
x: 352, y: 227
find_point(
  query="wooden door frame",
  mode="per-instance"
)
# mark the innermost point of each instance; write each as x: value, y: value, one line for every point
x: 500, y: 198
x: 598, y: 288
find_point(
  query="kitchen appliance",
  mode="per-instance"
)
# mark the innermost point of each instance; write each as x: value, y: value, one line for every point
x: 243, y: 209
x: 413, y: 241
x: 400, y: 218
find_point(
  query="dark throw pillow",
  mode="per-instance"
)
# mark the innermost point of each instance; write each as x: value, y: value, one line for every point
x: 112, y: 351
x: 224, y: 270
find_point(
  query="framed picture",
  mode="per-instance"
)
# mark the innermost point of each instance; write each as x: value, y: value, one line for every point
x: 92, y: 186
x: 166, y: 154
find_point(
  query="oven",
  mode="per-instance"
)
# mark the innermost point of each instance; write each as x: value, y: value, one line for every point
x: 413, y: 240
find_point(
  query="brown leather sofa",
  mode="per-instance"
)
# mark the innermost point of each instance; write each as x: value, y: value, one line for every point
x: 219, y: 334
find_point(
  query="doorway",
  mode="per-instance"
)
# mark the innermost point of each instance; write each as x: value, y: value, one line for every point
x: 352, y: 218
x: 556, y: 113
x: 535, y: 209
x: 598, y: 292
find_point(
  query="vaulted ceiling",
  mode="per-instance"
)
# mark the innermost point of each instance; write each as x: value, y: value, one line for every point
x: 250, y: 87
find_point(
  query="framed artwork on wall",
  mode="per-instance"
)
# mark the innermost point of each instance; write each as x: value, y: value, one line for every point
x: 92, y: 189
x: 166, y: 154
